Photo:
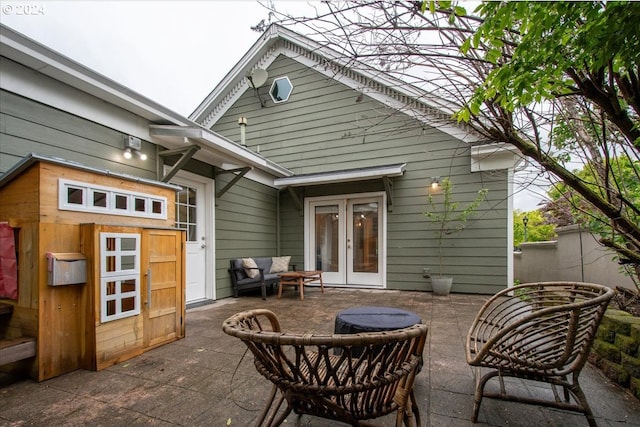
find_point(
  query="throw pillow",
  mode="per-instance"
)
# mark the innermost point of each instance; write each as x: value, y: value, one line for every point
x: 280, y: 264
x: 250, y: 267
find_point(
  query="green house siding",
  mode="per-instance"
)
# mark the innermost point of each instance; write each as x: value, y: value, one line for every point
x: 245, y: 223
x: 327, y: 126
x: 27, y: 126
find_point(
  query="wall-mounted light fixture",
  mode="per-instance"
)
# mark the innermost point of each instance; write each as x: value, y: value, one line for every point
x: 435, y: 182
x: 133, y: 145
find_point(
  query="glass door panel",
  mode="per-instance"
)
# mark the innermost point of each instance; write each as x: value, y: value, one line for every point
x: 364, y: 242
x: 365, y: 237
x: 327, y: 247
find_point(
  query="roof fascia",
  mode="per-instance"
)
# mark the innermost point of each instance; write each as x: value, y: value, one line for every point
x: 342, y: 176
x: 496, y: 156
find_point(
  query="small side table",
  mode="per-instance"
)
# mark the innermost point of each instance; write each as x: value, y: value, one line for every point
x: 299, y: 278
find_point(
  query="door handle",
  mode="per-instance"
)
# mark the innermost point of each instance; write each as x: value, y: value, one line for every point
x: 149, y: 287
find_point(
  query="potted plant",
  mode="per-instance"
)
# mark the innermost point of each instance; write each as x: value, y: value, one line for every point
x: 447, y: 219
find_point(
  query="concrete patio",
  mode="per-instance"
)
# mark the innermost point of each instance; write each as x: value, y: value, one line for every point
x: 207, y: 379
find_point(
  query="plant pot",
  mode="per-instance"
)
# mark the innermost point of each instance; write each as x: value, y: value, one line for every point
x: 441, y: 285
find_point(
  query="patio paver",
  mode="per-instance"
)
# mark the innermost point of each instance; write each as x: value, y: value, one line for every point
x: 207, y: 379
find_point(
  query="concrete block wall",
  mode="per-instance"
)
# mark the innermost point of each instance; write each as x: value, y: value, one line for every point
x: 616, y: 350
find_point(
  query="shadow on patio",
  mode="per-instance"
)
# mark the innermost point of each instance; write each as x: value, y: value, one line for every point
x: 203, y: 380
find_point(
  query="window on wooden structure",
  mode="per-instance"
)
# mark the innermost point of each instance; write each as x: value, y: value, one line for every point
x: 119, y: 275
x: 281, y: 89
x: 86, y: 197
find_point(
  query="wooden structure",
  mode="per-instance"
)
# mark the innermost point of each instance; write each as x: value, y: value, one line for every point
x: 541, y: 332
x: 131, y: 295
x: 309, y: 374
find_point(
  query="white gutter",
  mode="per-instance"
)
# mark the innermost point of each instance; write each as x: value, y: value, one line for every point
x: 342, y: 176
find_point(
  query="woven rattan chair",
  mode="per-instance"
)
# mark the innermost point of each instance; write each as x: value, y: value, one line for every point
x: 319, y: 375
x: 541, y: 332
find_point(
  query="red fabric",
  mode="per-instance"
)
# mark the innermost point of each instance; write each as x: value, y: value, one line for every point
x: 8, y: 263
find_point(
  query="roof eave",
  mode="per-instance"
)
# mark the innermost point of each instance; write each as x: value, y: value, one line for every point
x: 342, y: 176
x: 208, y: 139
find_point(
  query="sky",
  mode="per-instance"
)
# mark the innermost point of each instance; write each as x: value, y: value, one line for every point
x: 173, y: 52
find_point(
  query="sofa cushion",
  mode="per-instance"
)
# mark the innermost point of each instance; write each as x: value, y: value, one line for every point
x: 264, y: 263
x: 250, y: 267
x: 280, y: 264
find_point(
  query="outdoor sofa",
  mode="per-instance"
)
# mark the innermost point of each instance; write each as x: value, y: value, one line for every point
x: 262, y: 272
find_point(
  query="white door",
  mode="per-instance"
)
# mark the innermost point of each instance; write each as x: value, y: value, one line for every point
x: 345, y: 240
x: 190, y: 216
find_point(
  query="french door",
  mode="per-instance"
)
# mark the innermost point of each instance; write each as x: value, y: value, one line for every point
x: 346, y: 239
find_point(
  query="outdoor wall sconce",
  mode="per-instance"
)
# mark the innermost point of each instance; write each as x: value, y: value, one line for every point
x: 133, y: 145
x: 435, y: 182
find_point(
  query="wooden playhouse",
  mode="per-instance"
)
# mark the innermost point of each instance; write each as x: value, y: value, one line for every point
x: 100, y: 267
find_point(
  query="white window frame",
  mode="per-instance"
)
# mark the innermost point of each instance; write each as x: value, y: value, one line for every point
x: 88, y: 189
x: 275, y: 101
x: 119, y: 275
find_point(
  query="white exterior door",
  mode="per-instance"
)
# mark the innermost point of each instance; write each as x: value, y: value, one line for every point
x: 345, y: 238
x: 191, y: 215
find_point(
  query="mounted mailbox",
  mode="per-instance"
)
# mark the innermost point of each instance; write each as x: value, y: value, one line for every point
x: 67, y: 268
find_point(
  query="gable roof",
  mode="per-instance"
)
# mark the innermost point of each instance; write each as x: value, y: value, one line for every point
x: 167, y: 126
x: 277, y: 40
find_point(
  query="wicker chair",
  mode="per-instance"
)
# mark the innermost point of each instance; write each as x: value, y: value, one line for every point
x: 319, y: 375
x: 542, y: 332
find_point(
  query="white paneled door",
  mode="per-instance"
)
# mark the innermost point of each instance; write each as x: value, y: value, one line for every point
x: 190, y: 216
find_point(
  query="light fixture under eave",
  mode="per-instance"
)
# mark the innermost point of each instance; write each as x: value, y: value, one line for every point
x: 127, y: 153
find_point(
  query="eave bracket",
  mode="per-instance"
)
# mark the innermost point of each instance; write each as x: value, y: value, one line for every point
x: 239, y: 173
x: 186, y: 155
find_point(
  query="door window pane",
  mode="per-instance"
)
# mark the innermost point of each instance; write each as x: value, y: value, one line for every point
x: 186, y: 212
x: 365, y: 238
x: 327, y: 243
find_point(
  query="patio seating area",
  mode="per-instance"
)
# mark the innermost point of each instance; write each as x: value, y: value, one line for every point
x: 209, y: 379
